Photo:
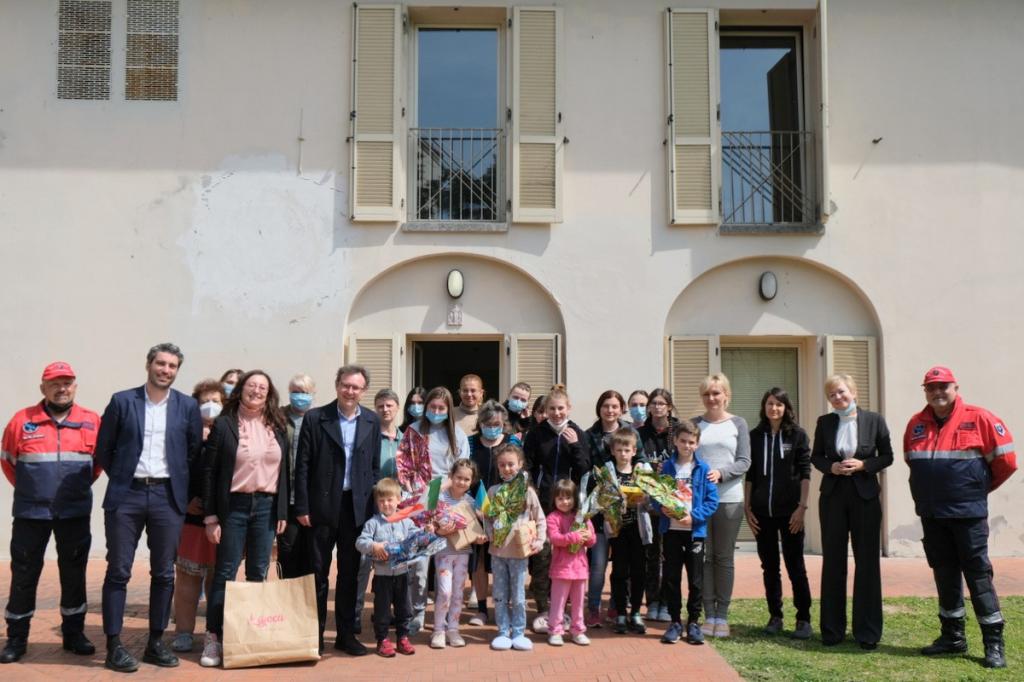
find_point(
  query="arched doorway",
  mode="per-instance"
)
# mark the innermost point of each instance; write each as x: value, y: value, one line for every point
x: 409, y: 331
x: 817, y: 324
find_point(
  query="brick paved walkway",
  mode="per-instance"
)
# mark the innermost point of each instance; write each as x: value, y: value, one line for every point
x: 610, y: 657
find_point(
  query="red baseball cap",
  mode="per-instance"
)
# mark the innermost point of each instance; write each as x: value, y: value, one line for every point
x: 939, y: 375
x: 56, y: 370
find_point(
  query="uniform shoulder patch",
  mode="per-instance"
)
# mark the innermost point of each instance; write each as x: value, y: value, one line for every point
x: 918, y: 430
x: 1000, y: 429
x: 29, y: 427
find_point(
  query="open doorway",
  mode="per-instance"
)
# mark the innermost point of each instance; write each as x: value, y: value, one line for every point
x: 443, y: 363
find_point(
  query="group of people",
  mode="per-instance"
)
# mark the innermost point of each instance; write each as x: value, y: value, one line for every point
x: 218, y: 476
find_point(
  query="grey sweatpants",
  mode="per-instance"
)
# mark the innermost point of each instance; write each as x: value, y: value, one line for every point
x: 719, y: 565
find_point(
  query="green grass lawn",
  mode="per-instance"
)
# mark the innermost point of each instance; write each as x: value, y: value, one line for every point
x: 910, y: 623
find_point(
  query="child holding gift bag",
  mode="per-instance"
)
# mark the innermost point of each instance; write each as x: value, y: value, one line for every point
x: 516, y: 529
x: 569, y: 568
x: 451, y: 565
x: 684, y: 536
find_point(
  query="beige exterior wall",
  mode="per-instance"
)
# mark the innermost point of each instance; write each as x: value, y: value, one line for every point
x: 128, y: 223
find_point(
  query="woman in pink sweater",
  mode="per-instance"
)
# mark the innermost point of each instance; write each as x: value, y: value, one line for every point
x: 569, y: 569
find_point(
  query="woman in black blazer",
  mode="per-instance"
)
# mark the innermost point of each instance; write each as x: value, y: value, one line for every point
x: 850, y: 447
x: 245, y: 492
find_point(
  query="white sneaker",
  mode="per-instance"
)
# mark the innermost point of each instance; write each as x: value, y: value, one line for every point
x: 213, y: 652
x: 437, y: 640
x: 455, y: 639
x: 522, y: 643
x: 555, y: 640
x: 540, y: 624
x: 581, y: 639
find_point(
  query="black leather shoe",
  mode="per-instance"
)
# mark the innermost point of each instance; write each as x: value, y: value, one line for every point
x: 14, y: 649
x: 350, y: 645
x: 78, y: 643
x: 868, y: 646
x: 120, y: 661
x: 157, y: 653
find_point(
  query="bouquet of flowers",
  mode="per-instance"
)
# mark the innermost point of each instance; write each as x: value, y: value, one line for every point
x: 664, y: 491
x: 439, y: 516
x: 508, y: 503
x: 606, y: 498
x: 418, y: 544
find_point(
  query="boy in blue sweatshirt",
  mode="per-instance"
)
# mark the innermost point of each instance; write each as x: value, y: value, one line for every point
x: 684, y: 537
x: 390, y: 585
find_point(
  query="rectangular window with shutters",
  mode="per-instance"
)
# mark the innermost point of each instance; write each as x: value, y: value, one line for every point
x: 151, y: 66
x: 83, y: 49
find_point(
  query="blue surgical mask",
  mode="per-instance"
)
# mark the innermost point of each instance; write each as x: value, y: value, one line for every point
x: 846, y: 412
x: 415, y: 410
x: 516, y: 405
x: 227, y: 389
x: 638, y: 412
x: 437, y: 417
x: 491, y: 432
x: 300, y: 401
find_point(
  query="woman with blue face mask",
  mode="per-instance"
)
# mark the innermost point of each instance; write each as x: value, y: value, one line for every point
x: 493, y: 429
x: 228, y: 381
x: 415, y: 403
x: 427, y: 451
x: 292, y: 545
x: 520, y: 418
x: 638, y: 408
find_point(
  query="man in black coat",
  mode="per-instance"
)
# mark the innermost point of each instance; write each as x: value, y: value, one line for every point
x: 337, y: 464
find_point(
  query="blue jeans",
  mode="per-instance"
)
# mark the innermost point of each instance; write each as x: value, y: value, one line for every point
x: 249, y: 525
x: 510, y: 595
x: 598, y: 557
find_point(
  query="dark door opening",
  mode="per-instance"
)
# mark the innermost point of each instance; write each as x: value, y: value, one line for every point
x: 443, y: 363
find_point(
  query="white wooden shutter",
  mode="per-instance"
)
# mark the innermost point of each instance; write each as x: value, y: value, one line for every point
x: 821, y: 26
x: 689, y: 360
x: 694, y: 135
x: 536, y: 359
x: 382, y: 357
x: 856, y: 356
x: 377, y: 152
x: 536, y: 143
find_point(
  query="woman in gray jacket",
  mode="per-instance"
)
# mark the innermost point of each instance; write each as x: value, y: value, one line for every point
x: 725, y: 447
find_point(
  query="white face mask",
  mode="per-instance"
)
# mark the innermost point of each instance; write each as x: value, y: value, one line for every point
x: 210, y: 409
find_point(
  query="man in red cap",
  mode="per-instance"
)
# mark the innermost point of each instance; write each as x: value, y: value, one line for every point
x: 48, y: 457
x: 958, y: 454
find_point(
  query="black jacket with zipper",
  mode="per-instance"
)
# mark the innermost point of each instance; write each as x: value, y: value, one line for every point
x: 549, y: 457
x: 778, y: 462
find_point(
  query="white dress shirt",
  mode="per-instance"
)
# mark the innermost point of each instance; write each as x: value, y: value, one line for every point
x: 348, y: 440
x: 153, y: 461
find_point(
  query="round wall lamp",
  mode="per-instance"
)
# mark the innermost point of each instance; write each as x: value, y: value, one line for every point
x: 768, y: 285
x: 456, y: 283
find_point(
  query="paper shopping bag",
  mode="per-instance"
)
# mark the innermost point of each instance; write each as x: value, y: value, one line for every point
x: 520, y: 541
x: 463, y: 538
x: 270, y: 622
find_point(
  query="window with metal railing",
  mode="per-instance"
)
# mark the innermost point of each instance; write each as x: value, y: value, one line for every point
x: 458, y: 174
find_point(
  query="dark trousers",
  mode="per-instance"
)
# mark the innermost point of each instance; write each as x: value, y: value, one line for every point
x: 628, y: 569
x: 247, y: 528
x: 293, y: 549
x: 773, y: 530
x: 148, y: 507
x: 388, y: 591
x: 681, y: 549
x: 845, y: 514
x: 29, y: 538
x: 956, y: 547
x: 540, y: 580
x: 324, y: 540
x: 654, y: 585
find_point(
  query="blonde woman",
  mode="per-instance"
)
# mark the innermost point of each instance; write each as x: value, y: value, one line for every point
x: 725, y: 447
x: 851, y: 446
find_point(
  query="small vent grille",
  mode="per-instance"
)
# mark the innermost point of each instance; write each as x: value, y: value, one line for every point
x: 151, y: 66
x: 83, y: 49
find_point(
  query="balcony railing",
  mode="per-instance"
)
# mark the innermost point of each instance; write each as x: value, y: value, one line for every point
x: 459, y: 174
x: 768, y: 178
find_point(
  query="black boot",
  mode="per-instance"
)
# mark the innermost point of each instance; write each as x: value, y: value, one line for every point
x: 995, y: 654
x: 118, y: 658
x: 953, y: 640
x: 14, y: 649
x: 78, y: 643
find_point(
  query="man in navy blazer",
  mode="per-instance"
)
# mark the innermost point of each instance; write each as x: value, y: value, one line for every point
x: 337, y: 464
x: 149, y: 438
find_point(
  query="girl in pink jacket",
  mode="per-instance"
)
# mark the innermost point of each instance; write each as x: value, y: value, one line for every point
x: 569, y: 570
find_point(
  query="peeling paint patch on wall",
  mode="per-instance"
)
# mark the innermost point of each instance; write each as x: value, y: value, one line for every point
x: 261, y: 238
